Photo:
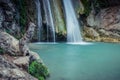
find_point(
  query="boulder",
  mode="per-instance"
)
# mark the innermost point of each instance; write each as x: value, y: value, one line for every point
x: 22, y: 62
x: 90, y: 32
x: 9, y: 71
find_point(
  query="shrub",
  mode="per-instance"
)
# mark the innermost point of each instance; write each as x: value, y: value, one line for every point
x: 38, y: 70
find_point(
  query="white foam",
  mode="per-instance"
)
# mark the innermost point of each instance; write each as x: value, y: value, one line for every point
x: 80, y: 43
x: 72, y: 43
x: 45, y: 43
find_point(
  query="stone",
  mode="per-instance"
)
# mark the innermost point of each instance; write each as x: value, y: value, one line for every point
x: 22, y: 62
x: 6, y: 64
x: 109, y: 33
x: 1, y: 18
x: 92, y: 20
x: 9, y: 43
x: 91, y: 32
x: 9, y: 71
x: 9, y: 16
x: 103, y: 32
x: 108, y: 18
x: 106, y: 22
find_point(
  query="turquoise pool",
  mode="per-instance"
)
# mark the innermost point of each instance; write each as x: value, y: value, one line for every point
x: 96, y: 61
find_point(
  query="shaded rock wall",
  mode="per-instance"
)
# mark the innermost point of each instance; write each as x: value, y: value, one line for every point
x: 8, y: 18
x: 108, y: 19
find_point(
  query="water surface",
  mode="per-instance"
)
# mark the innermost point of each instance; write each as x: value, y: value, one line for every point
x: 97, y: 61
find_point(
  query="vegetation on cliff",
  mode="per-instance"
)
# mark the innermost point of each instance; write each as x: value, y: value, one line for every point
x: 38, y: 70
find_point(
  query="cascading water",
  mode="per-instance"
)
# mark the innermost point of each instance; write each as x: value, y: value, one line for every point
x: 49, y: 20
x: 39, y: 18
x: 73, y: 30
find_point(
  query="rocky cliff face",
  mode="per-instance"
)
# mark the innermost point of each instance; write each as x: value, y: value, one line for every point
x: 8, y: 18
x: 19, y: 62
x: 106, y: 22
x: 9, y: 71
x: 15, y: 16
x: 108, y: 19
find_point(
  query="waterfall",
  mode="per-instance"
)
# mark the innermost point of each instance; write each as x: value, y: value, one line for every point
x: 73, y: 30
x: 49, y: 20
x: 39, y: 19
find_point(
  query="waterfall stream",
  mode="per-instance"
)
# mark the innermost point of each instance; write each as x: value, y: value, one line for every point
x: 73, y: 30
x: 39, y: 19
x: 50, y: 31
x: 49, y: 20
x: 73, y: 27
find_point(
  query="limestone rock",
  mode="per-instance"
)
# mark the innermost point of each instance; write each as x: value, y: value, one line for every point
x: 9, y: 43
x: 22, y: 62
x: 8, y: 21
x: 108, y: 18
x: 108, y: 33
x: 9, y: 71
x: 107, y: 22
x: 91, y: 32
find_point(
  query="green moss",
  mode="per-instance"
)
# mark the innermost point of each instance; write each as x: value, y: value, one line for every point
x: 38, y: 70
x: 41, y: 78
x: 21, y: 6
x: 87, y: 6
x: 96, y: 4
x: 1, y: 51
x: 23, y: 15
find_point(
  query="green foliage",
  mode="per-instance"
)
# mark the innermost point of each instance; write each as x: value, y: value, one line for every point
x: 87, y: 6
x: 102, y: 3
x: 38, y: 70
x: 41, y: 78
x: 21, y: 5
x: 1, y: 51
x: 23, y: 15
x: 96, y: 4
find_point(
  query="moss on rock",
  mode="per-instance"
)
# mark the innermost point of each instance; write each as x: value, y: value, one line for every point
x: 91, y: 34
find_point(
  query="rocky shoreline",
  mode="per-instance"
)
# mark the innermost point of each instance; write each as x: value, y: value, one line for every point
x: 20, y: 62
x: 10, y: 71
x: 91, y: 34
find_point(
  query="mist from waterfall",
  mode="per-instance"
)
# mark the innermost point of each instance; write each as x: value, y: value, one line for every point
x: 73, y: 30
x: 49, y: 20
x: 39, y: 19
